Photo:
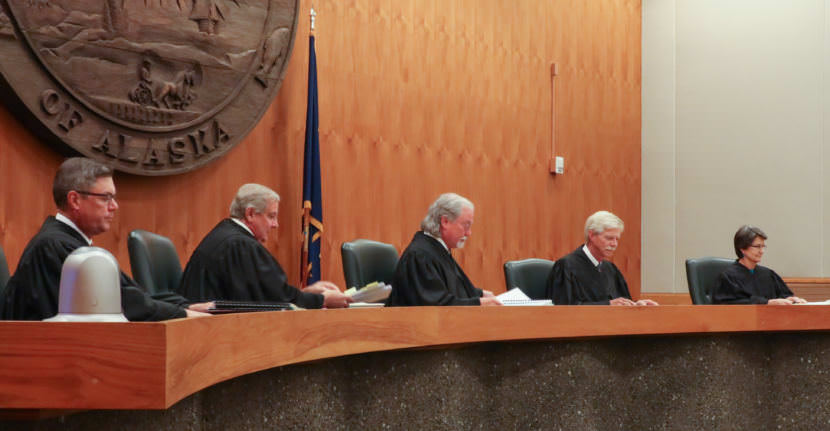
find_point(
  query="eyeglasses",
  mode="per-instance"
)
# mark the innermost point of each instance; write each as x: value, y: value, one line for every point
x: 108, y: 197
x: 759, y: 247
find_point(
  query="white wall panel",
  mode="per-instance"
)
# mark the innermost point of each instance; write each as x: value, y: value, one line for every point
x: 748, y: 134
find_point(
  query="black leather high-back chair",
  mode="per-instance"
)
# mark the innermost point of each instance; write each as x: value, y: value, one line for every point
x: 530, y: 275
x: 365, y: 261
x: 154, y: 261
x: 702, y: 276
x: 4, y: 273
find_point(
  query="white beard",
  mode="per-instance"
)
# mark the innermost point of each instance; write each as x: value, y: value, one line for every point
x: 461, y: 242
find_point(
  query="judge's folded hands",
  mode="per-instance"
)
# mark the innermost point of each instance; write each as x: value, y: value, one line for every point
x: 320, y: 287
x: 193, y: 313
x: 336, y: 299
x: 199, y: 309
x: 485, y: 302
x: 488, y: 299
x: 627, y: 302
x: 787, y: 301
x: 332, y: 296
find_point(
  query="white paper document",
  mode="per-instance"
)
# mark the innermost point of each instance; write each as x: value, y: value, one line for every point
x: 513, y: 294
x: 827, y: 302
x: 372, y: 292
x: 366, y: 305
x: 515, y: 297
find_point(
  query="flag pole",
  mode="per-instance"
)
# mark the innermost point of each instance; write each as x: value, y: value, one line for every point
x: 304, y: 257
x: 305, y: 267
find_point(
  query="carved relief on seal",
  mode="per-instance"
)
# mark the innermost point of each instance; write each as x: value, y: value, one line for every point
x: 152, y: 71
x: 6, y: 29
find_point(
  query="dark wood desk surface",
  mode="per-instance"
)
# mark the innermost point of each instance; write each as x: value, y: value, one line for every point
x: 154, y: 365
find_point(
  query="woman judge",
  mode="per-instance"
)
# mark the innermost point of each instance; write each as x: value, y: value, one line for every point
x: 747, y: 282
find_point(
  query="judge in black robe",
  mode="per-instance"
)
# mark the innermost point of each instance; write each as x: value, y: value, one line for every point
x: 427, y: 274
x: 575, y: 280
x: 746, y: 281
x: 231, y: 264
x: 738, y: 284
x: 586, y: 276
x: 33, y: 291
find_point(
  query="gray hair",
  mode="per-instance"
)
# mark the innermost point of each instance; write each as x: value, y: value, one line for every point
x: 449, y: 205
x: 600, y: 221
x: 79, y: 174
x: 254, y: 196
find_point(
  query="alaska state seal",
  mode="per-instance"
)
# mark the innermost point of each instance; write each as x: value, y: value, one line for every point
x: 151, y: 87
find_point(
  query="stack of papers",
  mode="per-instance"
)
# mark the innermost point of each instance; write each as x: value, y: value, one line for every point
x: 827, y: 302
x: 515, y: 296
x: 365, y: 305
x: 372, y: 292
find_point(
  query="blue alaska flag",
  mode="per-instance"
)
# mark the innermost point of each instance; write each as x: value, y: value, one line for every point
x: 312, y: 197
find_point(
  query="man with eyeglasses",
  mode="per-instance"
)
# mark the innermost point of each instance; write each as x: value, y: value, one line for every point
x: 746, y: 281
x: 426, y: 273
x: 84, y: 193
x: 586, y: 276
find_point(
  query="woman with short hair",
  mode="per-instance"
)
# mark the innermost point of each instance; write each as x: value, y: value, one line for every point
x: 747, y: 282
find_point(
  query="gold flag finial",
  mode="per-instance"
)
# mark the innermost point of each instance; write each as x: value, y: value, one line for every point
x: 313, y: 16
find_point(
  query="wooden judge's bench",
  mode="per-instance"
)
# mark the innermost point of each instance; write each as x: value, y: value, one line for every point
x: 568, y: 367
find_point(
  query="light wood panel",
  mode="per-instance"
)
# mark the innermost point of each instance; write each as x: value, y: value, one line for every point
x: 66, y: 362
x: 811, y: 289
x: 668, y: 298
x: 418, y: 97
x: 153, y: 365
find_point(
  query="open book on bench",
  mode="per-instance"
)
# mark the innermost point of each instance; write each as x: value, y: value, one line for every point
x: 516, y: 297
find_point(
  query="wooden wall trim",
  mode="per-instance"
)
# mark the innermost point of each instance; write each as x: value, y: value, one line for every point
x: 812, y: 289
x: 806, y: 280
x: 154, y: 365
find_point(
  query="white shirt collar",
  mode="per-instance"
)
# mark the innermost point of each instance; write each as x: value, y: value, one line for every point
x: 590, y: 256
x: 65, y: 220
x: 437, y: 239
x: 239, y: 222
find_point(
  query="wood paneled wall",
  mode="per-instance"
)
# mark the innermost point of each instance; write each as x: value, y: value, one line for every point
x: 418, y: 97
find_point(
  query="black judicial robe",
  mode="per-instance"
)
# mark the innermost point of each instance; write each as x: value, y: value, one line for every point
x: 231, y: 264
x: 738, y: 285
x: 427, y: 274
x: 33, y: 291
x: 574, y: 280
